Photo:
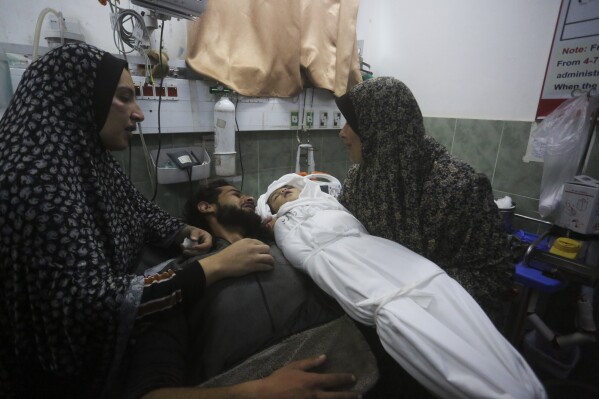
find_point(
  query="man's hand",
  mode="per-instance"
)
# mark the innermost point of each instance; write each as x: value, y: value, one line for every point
x: 240, y: 258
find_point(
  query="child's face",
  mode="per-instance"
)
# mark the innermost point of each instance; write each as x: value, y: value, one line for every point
x: 281, y: 196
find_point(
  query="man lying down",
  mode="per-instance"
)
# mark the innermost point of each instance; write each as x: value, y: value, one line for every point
x: 425, y: 320
x: 244, y: 329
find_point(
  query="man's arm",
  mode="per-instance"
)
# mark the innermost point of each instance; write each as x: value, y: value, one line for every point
x: 290, y: 382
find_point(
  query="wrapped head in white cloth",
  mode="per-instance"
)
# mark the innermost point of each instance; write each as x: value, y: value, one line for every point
x: 291, y: 187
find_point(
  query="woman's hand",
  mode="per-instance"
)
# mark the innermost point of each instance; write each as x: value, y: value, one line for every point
x: 238, y: 259
x: 295, y: 381
x: 196, y: 241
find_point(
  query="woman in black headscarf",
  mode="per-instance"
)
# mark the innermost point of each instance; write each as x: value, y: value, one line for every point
x: 406, y: 187
x: 72, y: 226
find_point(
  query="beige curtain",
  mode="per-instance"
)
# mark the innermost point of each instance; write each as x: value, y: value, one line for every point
x: 267, y: 48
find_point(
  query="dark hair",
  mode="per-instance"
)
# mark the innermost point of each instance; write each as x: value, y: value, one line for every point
x: 207, y: 193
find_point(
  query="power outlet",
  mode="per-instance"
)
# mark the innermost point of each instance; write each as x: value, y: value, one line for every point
x: 294, y: 119
x: 323, y: 122
x: 309, y: 119
x: 336, y: 119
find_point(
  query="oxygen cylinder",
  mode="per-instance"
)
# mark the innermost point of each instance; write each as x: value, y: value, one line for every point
x: 224, y: 137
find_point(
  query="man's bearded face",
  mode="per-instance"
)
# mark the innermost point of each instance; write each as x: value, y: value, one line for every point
x: 246, y: 220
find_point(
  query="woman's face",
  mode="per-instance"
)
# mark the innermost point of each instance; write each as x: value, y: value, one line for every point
x: 282, y: 195
x: 352, y: 142
x: 123, y: 115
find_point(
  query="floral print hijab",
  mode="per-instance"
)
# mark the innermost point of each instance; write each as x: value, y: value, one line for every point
x: 410, y: 190
x: 71, y: 225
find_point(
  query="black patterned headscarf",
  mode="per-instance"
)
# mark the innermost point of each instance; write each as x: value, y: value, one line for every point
x: 71, y: 225
x: 410, y: 190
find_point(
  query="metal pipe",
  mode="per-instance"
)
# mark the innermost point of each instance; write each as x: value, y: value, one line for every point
x: 541, y: 327
x: 533, y: 219
x: 576, y: 338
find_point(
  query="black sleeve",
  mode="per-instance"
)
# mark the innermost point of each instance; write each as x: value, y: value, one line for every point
x: 158, y: 352
x: 157, y: 356
x: 164, y: 291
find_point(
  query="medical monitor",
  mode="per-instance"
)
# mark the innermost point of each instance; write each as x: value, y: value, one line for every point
x: 188, y: 9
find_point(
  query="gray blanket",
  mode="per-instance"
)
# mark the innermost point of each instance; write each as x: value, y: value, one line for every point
x: 340, y: 340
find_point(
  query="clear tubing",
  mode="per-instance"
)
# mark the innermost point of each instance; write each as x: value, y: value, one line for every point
x: 38, y: 27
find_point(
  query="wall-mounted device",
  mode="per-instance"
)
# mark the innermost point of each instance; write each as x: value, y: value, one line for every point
x: 183, y: 158
x: 180, y: 165
x: 188, y: 9
x: 71, y: 32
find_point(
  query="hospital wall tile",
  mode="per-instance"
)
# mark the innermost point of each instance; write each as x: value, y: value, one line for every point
x: 277, y: 150
x: 167, y: 197
x: 477, y: 142
x: 442, y: 130
x: 179, y: 140
x: 164, y: 140
x: 139, y: 167
x: 332, y: 149
x: 172, y: 197
x: 248, y: 142
x: 512, y: 174
x: 251, y: 185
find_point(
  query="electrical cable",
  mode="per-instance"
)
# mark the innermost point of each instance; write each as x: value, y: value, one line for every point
x: 312, y: 110
x: 189, y: 173
x: 303, y: 111
x: 115, y: 10
x: 159, y: 106
x: 304, y: 108
x: 121, y: 36
x: 131, y: 37
x: 239, y: 143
